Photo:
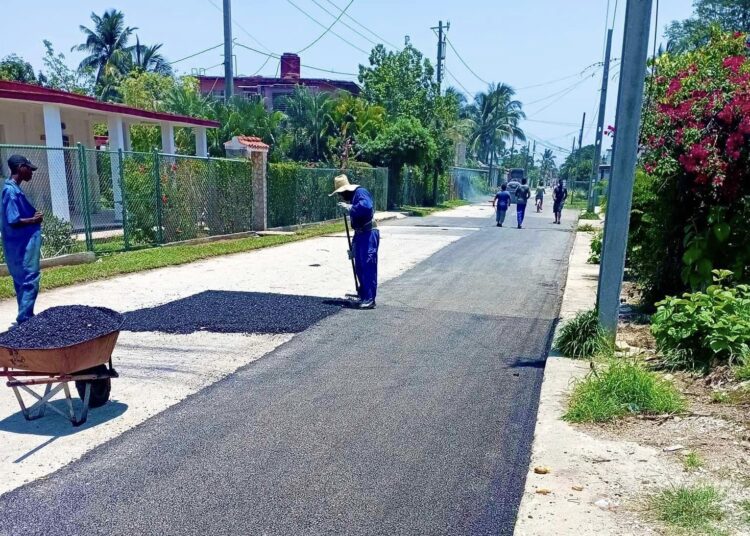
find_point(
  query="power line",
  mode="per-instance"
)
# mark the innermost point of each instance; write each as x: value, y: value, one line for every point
x: 355, y: 21
x: 343, y: 12
x: 196, y: 54
x: 242, y: 28
x: 277, y: 56
x: 327, y: 29
x: 561, y: 123
x: 563, y: 91
x: 306, y: 14
x: 465, y: 64
x: 468, y: 93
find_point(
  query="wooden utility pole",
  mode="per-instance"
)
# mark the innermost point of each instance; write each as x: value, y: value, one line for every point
x: 627, y: 123
x: 228, y: 73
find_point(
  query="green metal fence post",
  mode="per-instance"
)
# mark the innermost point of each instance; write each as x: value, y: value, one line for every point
x: 123, y: 197
x: 83, y: 173
x: 159, y: 204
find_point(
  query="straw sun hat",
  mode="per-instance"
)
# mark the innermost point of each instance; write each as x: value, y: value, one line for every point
x: 341, y: 184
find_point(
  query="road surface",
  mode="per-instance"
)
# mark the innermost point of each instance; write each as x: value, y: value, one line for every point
x: 414, y: 418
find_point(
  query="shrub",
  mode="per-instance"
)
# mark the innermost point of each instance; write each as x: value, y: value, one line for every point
x: 595, y: 255
x: 702, y: 329
x: 742, y: 372
x: 587, y: 215
x: 623, y: 387
x: 583, y: 337
x: 57, y: 236
x: 689, y: 507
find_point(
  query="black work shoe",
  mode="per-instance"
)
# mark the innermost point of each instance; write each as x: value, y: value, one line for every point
x: 367, y: 304
x: 499, y: 225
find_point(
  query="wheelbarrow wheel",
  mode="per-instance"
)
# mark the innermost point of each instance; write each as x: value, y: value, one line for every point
x: 100, y: 389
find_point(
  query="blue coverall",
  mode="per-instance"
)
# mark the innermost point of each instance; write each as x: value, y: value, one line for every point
x: 22, y: 247
x: 365, y: 244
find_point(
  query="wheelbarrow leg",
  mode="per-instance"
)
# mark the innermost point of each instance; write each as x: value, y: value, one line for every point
x: 37, y: 410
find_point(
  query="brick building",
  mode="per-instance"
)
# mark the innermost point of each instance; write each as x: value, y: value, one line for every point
x: 273, y: 90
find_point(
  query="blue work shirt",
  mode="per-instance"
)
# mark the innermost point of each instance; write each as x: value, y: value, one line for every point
x: 15, y: 206
x: 363, y: 209
x: 503, y: 200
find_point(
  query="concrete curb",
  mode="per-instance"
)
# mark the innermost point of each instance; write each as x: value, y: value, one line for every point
x: 71, y: 259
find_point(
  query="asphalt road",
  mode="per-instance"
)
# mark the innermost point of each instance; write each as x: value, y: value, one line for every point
x: 415, y: 418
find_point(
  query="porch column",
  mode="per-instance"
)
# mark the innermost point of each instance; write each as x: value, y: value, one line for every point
x: 167, y: 138
x: 58, y: 182
x: 116, y: 142
x: 201, y: 143
x: 127, y: 146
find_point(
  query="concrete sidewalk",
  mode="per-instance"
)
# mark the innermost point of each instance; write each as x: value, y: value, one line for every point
x: 158, y: 370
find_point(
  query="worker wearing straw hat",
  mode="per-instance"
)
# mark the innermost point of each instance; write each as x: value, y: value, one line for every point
x: 358, y: 202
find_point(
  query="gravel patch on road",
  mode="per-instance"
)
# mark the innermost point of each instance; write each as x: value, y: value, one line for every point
x: 233, y: 312
x: 58, y: 327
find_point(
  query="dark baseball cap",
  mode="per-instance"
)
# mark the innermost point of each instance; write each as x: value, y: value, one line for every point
x: 17, y: 160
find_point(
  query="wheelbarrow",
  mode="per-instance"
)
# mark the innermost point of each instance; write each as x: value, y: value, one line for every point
x: 87, y: 364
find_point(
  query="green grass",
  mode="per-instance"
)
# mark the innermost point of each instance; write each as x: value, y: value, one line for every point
x: 692, y: 461
x: 692, y: 508
x: 734, y: 397
x: 583, y: 338
x: 621, y: 388
x: 745, y: 508
x: 148, y: 259
x: 742, y: 372
x: 587, y: 228
x: 589, y: 216
x: 426, y: 211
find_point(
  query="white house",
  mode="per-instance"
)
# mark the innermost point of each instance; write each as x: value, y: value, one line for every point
x: 46, y: 121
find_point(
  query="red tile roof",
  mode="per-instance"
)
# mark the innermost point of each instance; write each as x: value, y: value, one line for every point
x: 253, y: 142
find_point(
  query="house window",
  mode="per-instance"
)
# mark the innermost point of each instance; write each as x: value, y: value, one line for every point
x: 279, y: 101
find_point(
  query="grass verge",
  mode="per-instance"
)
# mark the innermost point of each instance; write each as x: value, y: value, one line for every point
x: 742, y: 372
x: 621, y: 388
x: 582, y: 337
x: 148, y: 259
x: 426, y: 211
x: 692, y: 508
x: 587, y: 228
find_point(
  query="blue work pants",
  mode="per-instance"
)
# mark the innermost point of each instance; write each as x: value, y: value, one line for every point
x: 23, y: 260
x: 520, y: 212
x: 365, y: 246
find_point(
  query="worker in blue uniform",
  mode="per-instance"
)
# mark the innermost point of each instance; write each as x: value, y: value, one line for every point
x: 359, y: 204
x: 21, y: 229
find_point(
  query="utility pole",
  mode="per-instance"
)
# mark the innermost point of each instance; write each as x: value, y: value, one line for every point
x: 441, y: 50
x: 627, y: 123
x: 228, y: 74
x: 526, y: 162
x: 600, y: 124
x: 533, y: 156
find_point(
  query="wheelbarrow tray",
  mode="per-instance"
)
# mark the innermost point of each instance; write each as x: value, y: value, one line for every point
x: 65, y: 360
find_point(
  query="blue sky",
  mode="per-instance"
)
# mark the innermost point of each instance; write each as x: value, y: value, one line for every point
x: 533, y: 43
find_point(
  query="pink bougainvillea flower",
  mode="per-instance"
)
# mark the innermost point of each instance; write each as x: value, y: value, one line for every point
x: 733, y: 63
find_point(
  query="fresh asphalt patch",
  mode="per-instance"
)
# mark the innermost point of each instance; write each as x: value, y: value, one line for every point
x: 233, y: 312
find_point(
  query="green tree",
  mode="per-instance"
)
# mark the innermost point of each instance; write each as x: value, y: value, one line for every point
x: 15, y: 68
x: 401, y: 82
x: 309, y: 123
x: 241, y: 116
x: 547, y: 166
x: 495, y: 117
x: 356, y: 122
x: 402, y: 142
x: 578, y: 164
x: 106, y: 44
x: 726, y: 15
x: 57, y: 74
x: 147, y: 58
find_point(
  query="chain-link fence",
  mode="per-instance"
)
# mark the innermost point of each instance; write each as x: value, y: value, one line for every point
x: 299, y: 195
x: 470, y: 183
x: 107, y: 201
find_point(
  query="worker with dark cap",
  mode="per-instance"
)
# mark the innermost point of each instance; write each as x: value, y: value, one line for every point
x: 21, y: 229
x: 358, y: 202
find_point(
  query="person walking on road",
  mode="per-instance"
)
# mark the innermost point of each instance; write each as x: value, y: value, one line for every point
x: 559, y: 195
x: 539, y: 198
x: 500, y: 203
x: 522, y: 197
x: 358, y: 202
x: 21, y: 229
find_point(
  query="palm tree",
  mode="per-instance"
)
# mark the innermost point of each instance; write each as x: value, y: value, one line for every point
x: 309, y: 117
x: 107, y: 43
x: 547, y: 166
x: 147, y: 58
x: 495, y: 116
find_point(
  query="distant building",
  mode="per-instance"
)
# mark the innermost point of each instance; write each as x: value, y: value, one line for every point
x: 273, y: 90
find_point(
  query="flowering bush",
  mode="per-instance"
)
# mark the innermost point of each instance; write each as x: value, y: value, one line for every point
x: 695, y: 134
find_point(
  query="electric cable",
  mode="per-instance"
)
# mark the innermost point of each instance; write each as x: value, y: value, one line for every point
x: 327, y: 30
